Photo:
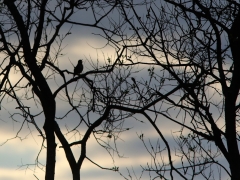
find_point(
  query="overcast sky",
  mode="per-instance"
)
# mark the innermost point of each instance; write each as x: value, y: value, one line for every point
x: 18, y: 156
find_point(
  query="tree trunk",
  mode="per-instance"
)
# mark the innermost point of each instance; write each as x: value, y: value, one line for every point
x: 230, y: 101
x: 234, y: 160
x: 51, y: 149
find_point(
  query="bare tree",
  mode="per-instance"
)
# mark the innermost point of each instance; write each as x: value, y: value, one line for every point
x: 31, y: 45
x: 191, y: 51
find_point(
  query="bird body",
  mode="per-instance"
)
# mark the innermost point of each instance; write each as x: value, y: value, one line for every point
x: 78, y: 69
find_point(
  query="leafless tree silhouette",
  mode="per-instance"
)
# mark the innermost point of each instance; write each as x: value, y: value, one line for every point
x: 31, y: 46
x: 191, y: 51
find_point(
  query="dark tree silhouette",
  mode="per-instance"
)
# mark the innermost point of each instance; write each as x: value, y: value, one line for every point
x: 191, y: 51
x: 31, y: 46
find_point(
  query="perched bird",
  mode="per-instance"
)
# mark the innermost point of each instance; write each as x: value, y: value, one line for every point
x: 78, y: 69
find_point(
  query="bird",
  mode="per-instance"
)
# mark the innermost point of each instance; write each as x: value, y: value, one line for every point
x: 78, y: 69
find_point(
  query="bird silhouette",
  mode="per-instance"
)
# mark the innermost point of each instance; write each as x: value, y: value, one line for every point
x: 78, y: 69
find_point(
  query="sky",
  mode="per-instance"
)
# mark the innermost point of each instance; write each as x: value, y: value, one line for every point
x: 19, y: 154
